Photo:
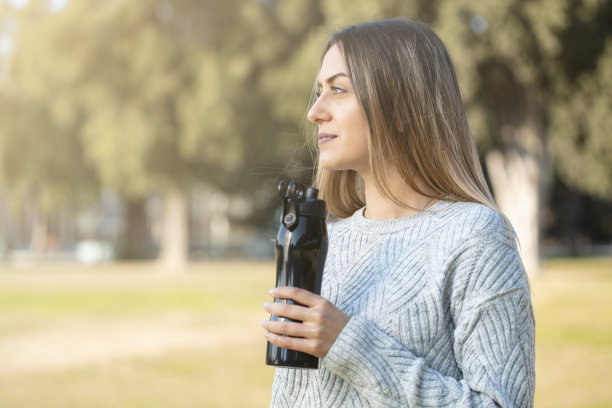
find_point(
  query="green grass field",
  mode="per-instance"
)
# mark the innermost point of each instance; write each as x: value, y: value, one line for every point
x: 129, y: 336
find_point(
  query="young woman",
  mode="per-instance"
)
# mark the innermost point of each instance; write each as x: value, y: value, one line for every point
x: 425, y: 301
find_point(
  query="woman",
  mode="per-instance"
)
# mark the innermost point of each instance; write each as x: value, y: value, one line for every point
x: 425, y: 301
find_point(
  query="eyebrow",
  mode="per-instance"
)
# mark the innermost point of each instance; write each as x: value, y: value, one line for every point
x: 332, y: 78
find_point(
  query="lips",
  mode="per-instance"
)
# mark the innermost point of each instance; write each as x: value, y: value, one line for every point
x: 325, y: 137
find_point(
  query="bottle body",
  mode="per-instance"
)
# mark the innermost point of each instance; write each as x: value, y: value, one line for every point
x: 300, y: 259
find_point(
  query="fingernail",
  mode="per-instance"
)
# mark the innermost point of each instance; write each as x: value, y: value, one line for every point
x: 271, y: 291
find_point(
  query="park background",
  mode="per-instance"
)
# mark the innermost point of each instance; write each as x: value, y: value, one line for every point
x: 141, y: 143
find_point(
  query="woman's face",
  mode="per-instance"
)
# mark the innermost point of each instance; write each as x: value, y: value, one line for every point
x: 343, y: 131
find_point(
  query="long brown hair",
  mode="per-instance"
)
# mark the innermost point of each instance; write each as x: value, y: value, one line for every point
x: 406, y: 85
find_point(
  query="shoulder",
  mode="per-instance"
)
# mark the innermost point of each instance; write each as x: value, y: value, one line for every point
x: 476, y: 215
x: 466, y: 222
x: 482, y: 257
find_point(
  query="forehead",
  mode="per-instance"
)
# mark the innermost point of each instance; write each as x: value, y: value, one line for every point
x: 333, y: 63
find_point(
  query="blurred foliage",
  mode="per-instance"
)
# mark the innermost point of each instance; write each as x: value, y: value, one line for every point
x: 155, y: 95
x: 582, y: 115
x: 548, y: 62
x: 41, y: 156
x: 151, y: 94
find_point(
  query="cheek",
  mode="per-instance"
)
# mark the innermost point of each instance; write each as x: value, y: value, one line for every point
x: 359, y: 130
x: 364, y: 151
x: 361, y: 134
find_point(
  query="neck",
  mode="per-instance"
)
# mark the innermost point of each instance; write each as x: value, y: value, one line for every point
x: 379, y: 207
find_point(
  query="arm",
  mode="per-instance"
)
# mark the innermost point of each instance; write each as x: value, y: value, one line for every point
x: 493, y: 347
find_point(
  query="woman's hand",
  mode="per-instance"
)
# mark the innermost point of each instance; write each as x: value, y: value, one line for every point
x: 321, y: 324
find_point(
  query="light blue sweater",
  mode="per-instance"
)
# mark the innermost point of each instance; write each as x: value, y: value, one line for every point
x: 440, y: 312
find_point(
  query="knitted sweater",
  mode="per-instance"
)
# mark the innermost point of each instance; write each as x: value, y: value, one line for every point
x: 440, y: 313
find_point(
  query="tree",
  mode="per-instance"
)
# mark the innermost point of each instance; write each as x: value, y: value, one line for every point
x: 170, y: 93
x: 41, y: 156
x: 158, y: 95
x: 503, y: 52
x: 580, y: 117
x: 535, y: 76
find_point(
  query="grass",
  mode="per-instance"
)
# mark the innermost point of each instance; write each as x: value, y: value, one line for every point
x: 572, y: 301
x: 573, y: 306
x: 185, y: 379
x: 215, y: 296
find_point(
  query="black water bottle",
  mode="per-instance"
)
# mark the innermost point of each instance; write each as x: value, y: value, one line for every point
x: 301, y: 248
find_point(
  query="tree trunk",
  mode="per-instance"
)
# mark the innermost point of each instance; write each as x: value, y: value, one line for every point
x: 136, y: 240
x: 520, y: 178
x: 40, y: 232
x: 174, y: 243
x: 515, y: 183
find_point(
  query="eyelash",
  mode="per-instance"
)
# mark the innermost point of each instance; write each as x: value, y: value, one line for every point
x: 335, y: 90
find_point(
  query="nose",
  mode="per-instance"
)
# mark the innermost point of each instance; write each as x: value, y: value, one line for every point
x: 318, y: 111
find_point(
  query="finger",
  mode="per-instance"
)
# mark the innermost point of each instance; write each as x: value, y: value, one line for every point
x: 313, y: 347
x: 282, y: 309
x: 291, y: 343
x: 299, y: 295
x: 284, y: 327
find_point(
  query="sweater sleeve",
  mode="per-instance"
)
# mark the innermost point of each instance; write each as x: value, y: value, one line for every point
x: 493, y: 345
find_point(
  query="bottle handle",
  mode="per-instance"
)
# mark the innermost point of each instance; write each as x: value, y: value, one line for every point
x: 291, y: 193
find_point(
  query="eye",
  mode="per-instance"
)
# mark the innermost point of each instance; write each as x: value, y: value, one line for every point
x: 336, y: 89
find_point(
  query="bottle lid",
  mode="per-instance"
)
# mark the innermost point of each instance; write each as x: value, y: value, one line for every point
x: 311, y: 206
x: 299, y: 201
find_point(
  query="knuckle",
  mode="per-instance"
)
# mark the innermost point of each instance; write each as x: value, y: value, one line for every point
x: 318, y: 317
x: 316, y: 346
x: 318, y: 332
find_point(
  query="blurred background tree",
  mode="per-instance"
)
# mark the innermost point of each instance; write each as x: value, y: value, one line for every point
x: 518, y: 63
x: 42, y: 159
x: 157, y: 97
x: 581, y: 115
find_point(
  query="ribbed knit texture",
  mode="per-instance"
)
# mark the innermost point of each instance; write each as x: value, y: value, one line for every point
x: 440, y: 315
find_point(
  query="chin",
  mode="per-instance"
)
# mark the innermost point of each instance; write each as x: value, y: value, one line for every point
x: 329, y: 165
x: 330, y: 162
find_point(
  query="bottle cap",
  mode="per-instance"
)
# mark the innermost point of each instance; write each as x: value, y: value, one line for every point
x: 311, y: 206
x: 299, y: 201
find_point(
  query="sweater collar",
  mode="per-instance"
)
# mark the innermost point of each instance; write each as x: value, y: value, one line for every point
x: 360, y: 223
